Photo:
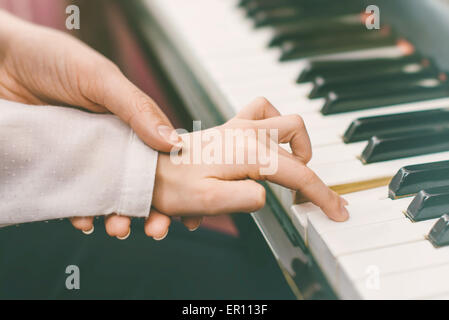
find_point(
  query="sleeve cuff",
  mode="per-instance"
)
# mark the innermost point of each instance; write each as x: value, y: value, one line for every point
x: 138, y: 179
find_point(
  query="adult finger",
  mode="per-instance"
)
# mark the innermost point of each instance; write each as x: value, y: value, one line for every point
x: 157, y: 225
x: 192, y: 223
x: 118, y: 226
x: 85, y: 224
x: 117, y: 94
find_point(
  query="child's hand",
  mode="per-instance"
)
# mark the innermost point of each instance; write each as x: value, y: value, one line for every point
x: 190, y: 189
x: 193, y: 189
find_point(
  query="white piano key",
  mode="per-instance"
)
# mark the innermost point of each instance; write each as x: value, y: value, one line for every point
x: 374, y: 221
x: 330, y: 246
x: 346, y: 172
x: 379, y: 211
x: 415, y: 284
x: 371, y: 236
x: 396, y: 259
x: 443, y: 296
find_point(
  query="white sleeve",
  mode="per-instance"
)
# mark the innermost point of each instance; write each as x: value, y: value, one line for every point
x: 58, y: 162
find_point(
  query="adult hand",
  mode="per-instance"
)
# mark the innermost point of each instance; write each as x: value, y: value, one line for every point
x: 43, y: 66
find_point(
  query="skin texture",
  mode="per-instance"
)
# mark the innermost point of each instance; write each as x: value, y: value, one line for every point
x: 212, y: 189
x: 43, y: 66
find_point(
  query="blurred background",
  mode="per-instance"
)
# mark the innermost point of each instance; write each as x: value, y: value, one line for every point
x: 227, y: 258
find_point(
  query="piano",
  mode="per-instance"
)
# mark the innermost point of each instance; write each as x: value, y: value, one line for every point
x: 376, y: 105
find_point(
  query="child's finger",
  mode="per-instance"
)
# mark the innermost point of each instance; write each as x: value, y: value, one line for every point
x: 118, y: 226
x: 85, y: 224
x: 224, y: 197
x: 295, y: 175
x: 291, y: 129
x: 157, y: 225
x: 258, y: 109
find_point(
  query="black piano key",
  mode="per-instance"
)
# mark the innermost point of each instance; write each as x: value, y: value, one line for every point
x: 291, y: 50
x: 306, y: 31
x: 395, y: 124
x: 383, y: 76
x: 367, y: 97
x: 439, y: 234
x: 415, y: 143
x: 277, y: 16
x: 288, y: 14
x: 327, y: 68
x: 309, y: 8
x: 409, y: 180
x: 243, y: 3
x: 429, y: 204
x: 253, y: 7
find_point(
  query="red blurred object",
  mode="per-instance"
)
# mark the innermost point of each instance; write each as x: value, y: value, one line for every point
x: 45, y: 12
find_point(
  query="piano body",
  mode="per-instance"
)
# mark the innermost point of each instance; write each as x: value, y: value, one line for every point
x: 376, y: 105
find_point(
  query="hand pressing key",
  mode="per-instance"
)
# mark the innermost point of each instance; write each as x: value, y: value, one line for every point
x: 211, y: 187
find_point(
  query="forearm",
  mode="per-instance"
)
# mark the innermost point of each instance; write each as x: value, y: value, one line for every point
x: 60, y: 162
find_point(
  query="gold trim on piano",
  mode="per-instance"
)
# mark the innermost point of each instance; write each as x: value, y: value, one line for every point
x: 351, y: 187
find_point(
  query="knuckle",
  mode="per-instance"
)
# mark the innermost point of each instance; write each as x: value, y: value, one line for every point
x: 254, y: 173
x: 262, y: 101
x: 298, y: 121
x: 142, y: 102
x: 308, y: 156
x: 260, y: 198
x: 308, y: 177
x: 209, y: 197
x: 256, y: 200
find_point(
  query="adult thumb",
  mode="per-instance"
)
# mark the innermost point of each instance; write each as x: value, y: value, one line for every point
x: 128, y: 102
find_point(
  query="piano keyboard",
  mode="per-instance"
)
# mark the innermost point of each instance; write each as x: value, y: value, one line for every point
x: 388, y: 234
x: 372, y: 104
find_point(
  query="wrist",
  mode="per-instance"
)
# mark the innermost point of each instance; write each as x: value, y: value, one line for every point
x: 167, y: 187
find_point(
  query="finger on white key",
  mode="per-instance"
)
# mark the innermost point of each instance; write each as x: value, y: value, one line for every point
x: 295, y: 175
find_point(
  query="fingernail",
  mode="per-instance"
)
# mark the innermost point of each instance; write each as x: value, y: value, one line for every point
x: 125, y: 237
x: 161, y: 238
x: 169, y: 134
x: 90, y: 231
x: 343, y: 211
x: 194, y: 229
